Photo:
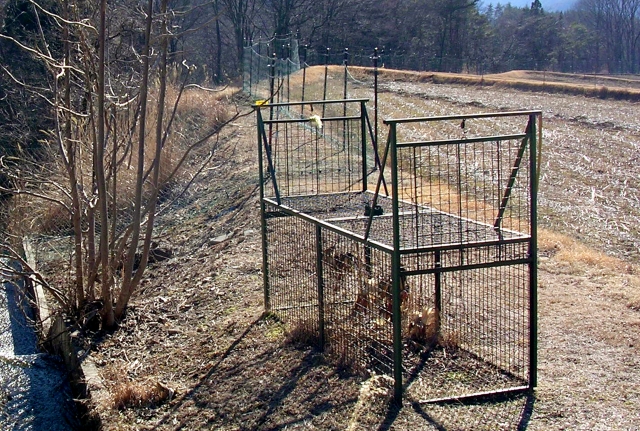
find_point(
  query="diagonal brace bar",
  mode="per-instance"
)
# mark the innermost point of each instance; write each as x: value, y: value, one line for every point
x: 267, y: 148
x: 512, y: 180
x: 377, y: 192
x: 375, y: 154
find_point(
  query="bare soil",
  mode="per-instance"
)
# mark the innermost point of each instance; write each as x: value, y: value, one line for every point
x: 197, y: 327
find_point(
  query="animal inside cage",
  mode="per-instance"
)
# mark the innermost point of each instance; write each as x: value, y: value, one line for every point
x: 416, y: 259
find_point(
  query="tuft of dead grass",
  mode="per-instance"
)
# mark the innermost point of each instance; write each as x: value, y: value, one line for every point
x: 302, y: 333
x: 373, y: 402
x: 450, y: 340
x: 136, y: 395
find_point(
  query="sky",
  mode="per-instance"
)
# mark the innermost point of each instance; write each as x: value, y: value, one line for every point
x: 548, y: 5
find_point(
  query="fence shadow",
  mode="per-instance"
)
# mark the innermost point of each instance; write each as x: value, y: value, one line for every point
x: 258, y: 384
x: 511, y: 412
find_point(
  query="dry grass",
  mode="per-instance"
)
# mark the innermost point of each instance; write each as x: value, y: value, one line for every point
x: 518, y: 80
x: 197, y: 111
x: 570, y: 251
x: 621, y: 280
x: 619, y: 89
x: 137, y: 395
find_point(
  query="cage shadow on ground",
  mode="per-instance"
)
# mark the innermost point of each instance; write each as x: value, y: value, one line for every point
x: 509, y: 412
x: 257, y: 383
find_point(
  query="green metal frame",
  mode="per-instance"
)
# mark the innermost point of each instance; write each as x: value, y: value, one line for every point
x: 528, y: 141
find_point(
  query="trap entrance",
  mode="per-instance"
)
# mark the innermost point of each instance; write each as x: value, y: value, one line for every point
x: 416, y: 259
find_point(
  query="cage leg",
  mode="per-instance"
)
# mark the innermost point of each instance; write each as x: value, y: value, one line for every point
x: 438, y: 293
x: 320, y: 275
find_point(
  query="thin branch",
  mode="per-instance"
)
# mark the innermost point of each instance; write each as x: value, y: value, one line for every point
x: 28, y: 271
x: 36, y: 195
x: 213, y: 90
x: 61, y: 19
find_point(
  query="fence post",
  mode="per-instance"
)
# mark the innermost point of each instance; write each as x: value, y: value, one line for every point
x: 267, y: 60
x: 344, y: 105
x: 272, y: 78
x: 280, y: 90
x: 375, y: 100
x: 346, y: 64
x: 304, y: 76
x: 250, y: 51
x: 288, y: 71
x: 326, y: 72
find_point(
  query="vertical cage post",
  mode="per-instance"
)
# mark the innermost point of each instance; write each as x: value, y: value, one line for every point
x: 263, y: 224
x: 320, y: 281
x: 326, y: 74
x: 304, y: 76
x: 395, y: 272
x: 375, y: 99
x: 363, y: 142
x: 533, y: 255
x: 438, y: 289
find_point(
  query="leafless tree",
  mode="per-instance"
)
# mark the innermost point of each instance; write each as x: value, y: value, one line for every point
x: 104, y: 124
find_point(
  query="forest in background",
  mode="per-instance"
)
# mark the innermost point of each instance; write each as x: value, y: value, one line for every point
x: 595, y: 36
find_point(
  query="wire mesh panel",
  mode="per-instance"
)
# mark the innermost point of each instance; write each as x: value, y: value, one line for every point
x: 293, y: 281
x: 357, y: 301
x: 427, y: 271
x: 475, y: 322
x: 465, y: 176
x: 471, y: 231
x: 313, y: 153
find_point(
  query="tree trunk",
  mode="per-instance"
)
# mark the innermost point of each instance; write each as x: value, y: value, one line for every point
x: 127, y: 281
x: 108, y: 320
x: 70, y: 161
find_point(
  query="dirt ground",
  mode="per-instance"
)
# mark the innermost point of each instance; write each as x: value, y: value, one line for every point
x: 195, y: 345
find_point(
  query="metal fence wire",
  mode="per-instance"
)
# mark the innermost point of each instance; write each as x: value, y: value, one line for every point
x: 416, y: 259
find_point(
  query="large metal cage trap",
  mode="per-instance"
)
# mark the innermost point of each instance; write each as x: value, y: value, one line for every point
x: 416, y: 259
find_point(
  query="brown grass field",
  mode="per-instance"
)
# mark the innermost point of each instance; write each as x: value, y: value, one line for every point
x: 195, y: 352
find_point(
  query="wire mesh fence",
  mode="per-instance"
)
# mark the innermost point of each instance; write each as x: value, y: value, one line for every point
x: 420, y: 263
x: 265, y: 61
